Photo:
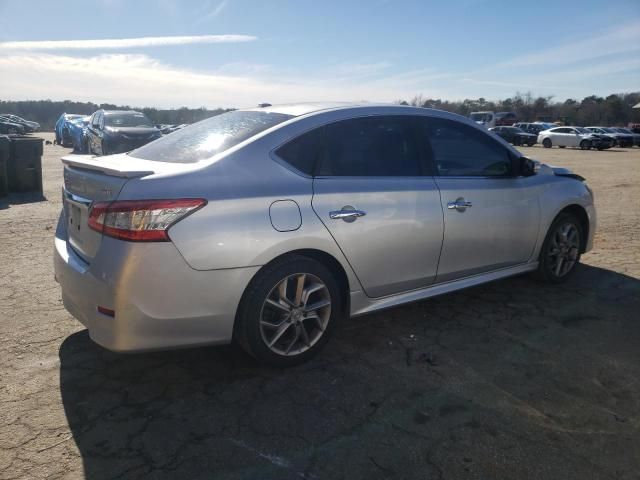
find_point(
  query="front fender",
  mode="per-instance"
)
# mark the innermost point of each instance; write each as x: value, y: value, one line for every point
x: 559, y: 194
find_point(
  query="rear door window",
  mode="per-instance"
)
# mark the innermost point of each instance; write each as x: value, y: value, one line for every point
x: 376, y: 146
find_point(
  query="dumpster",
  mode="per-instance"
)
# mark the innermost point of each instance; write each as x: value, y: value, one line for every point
x: 5, y: 150
x: 24, y: 168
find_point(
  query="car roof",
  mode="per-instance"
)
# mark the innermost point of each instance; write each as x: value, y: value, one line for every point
x: 303, y: 109
x: 120, y: 112
x: 298, y: 109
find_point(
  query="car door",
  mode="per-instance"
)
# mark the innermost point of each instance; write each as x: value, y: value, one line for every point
x: 570, y: 139
x: 573, y: 137
x: 491, y: 216
x: 382, y: 208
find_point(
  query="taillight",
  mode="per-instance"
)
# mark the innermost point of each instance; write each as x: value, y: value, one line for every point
x: 141, y: 220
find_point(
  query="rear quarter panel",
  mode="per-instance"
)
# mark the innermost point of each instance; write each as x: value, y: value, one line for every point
x: 235, y: 228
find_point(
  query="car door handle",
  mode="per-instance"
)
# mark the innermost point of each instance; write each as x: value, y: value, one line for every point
x: 348, y: 215
x: 459, y: 204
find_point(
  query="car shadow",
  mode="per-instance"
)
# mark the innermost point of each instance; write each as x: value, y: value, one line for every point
x: 411, y: 391
x: 20, y: 199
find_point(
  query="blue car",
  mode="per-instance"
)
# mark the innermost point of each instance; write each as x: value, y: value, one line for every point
x: 77, y: 131
x: 63, y: 136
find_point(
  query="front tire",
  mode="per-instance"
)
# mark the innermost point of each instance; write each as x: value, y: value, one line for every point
x: 546, y: 143
x: 585, y: 145
x: 288, y: 312
x: 560, y: 252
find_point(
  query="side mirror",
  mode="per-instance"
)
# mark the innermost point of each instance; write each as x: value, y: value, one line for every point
x: 528, y: 167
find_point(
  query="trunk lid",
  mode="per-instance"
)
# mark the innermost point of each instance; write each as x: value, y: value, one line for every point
x: 89, y: 179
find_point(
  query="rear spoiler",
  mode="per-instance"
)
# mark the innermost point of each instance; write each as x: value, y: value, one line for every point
x: 108, y: 167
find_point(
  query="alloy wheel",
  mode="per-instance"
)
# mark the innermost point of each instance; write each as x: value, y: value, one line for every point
x: 563, y: 250
x: 295, y: 314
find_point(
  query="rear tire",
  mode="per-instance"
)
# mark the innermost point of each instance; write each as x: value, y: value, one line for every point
x: 546, y: 143
x: 560, y: 253
x: 288, y: 312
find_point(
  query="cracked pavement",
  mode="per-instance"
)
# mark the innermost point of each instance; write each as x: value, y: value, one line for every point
x: 513, y: 379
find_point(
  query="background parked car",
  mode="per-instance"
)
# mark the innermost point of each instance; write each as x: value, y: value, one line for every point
x: 63, y: 136
x: 8, y: 127
x: 515, y: 135
x: 621, y: 139
x: 28, y: 125
x: 599, y: 140
x: 505, y: 118
x: 118, y: 131
x: 626, y: 131
x: 566, y: 137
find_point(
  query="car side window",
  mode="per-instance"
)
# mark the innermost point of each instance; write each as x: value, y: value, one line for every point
x: 460, y: 150
x: 376, y: 146
x: 303, y: 152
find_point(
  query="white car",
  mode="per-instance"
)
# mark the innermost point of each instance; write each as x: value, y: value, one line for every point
x: 562, y: 137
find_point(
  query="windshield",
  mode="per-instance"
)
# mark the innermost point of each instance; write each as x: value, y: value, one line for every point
x: 127, y: 120
x: 516, y: 129
x: 583, y: 130
x: 609, y: 130
x: 206, y: 138
x: 624, y: 130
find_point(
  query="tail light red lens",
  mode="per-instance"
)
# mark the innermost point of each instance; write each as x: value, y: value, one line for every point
x: 141, y: 220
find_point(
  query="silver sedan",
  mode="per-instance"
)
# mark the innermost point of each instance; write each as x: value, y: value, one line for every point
x: 269, y: 226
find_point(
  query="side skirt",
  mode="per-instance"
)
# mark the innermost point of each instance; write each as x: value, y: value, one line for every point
x: 361, y: 304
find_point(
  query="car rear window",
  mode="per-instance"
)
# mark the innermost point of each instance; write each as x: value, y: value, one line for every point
x: 207, y: 138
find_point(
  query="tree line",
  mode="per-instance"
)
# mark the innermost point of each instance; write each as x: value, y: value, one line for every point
x: 46, y: 112
x: 613, y: 110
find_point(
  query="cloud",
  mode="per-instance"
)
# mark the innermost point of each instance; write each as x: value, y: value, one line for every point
x: 214, y: 12
x: 122, y: 43
x: 140, y: 80
x: 621, y: 39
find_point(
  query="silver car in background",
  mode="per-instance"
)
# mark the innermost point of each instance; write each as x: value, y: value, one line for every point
x: 270, y: 225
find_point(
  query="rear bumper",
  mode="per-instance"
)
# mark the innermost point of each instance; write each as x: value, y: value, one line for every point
x: 159, y: 301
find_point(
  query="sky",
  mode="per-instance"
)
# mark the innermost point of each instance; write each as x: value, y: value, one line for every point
x: 238, y: 53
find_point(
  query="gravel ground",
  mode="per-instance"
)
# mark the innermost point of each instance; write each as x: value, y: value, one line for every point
x: 509, y: 380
